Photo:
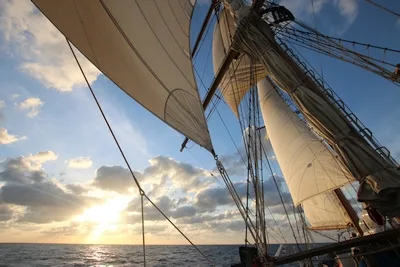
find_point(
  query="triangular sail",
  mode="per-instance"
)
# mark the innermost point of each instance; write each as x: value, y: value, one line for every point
x: 143, y: 47
x: 308, y: 166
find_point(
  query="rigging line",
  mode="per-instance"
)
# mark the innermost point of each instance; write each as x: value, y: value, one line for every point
x: 105, y: 119
x: 340, y: 40
x: 383, y: 8
x: 380, y: 73
x: 283, y: 203
x: 338, y: 51
x: 341, y: 53
x: 116, y: 142
x: 343, y: 48
x: 141, y: 191
x: 335, y: 49
x: 223, y: 122
x: 315, y: 27
x: 226, y: 86
x: 204, y: 38
x: 177, y: 228
x: 143, y: 233
x: 218, y: 181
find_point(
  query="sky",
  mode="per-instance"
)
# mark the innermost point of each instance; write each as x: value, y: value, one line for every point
x: 62, y: 177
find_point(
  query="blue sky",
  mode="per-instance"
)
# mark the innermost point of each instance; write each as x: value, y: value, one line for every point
x: 59, y: 114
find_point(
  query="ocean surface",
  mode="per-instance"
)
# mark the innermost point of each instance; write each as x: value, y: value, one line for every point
x: 116, y: 255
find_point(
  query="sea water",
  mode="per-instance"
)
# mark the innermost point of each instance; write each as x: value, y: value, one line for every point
x: 117, y: 255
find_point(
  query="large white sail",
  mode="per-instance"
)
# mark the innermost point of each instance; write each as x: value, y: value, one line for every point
x: 143, y: 47
x: 326, y: 212
x: 236, y: 82
x: 309, y: 168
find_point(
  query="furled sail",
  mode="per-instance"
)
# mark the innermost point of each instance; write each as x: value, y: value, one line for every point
x: 237, y: 80
x: 326, y: 212
x: 379, y: 179
x: 309, y: 168
x: 143, y: 47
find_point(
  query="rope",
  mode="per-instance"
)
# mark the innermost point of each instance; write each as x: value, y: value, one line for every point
x: 176, y: 227
x: 340, y: 40
x: 283, y: 203
x: 383, y: 8
x: 143, y: 234
x: 142, y: 193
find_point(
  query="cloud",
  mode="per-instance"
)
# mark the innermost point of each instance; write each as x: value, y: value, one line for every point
x: 42, y: 49
x: 45, y: 202
x: 398, y: 23
x: 72, y: 229
x: 32, y: 104
x: 210, y: 198
x: 233, y: 164
x: 36, y: 161
x: 24, y: 170
x: 184, y: 211
x: 347, y: 9
x: 5, y: 213
x: 162, y: 173
x: 182, y: 175
x: 167, y: 205
x: 77, y: 189
x: 114, y: 178
x: 80, y: 163
x: 6, y: 138
x: 27, y: 185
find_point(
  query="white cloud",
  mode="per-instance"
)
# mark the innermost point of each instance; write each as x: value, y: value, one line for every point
x: 6, y: 138
x: 32, y: 104
x: 36, y: 161
x: 304, y: 9
x: 42, y: 49
x: 80, y: 163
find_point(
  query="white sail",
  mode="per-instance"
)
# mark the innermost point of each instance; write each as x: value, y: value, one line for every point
x: 143, y: 47
x: 236, y: 82
x: 326, y: 212
x: 309, y: 168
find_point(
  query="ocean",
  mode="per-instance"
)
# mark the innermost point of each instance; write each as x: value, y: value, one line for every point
x: 21, y: 255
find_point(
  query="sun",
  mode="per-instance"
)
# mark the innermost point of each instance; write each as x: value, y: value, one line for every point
x: 105, y: 216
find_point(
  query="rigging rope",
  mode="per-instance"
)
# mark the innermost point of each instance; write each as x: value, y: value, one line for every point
x: 383, y: 8
x: 141, y: 191
x: 282, y: 201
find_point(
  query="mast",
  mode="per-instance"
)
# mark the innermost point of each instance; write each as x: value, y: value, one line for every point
x: 350, y: 210
x: 203, y: 27
x: 230, y: 56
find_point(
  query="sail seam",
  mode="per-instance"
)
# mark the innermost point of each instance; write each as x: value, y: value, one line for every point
x: 169, y: 29
x: 185, y: 33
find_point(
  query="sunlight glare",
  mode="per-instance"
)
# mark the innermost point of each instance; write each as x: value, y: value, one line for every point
x: 105, y: 216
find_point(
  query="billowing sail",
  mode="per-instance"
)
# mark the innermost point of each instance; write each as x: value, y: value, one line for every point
x: 143, y: 47
x: 379, y: 178
x: 309, y: 168
x: 325, y: 212
x: 236, y: 82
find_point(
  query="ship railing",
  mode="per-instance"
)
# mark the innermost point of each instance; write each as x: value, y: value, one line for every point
x: 364, y: 132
